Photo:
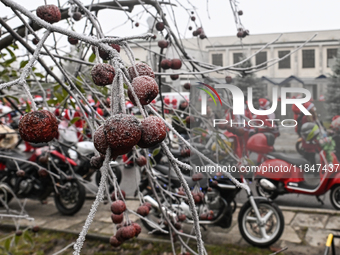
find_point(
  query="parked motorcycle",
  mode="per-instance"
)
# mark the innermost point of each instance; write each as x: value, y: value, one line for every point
x: 280, y: 174
x: 260, y: 221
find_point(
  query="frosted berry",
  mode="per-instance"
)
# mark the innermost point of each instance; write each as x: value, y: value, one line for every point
x: 38, y: 127
x: 137, y: 24
x: 114, y: 242
x: 118, y: 207
x: 128, y: 232
x: 146, y: 89
x: 193, y: 18
x: 122, y: 132
x: 195, y: 33
x: 35, y: 41
x: 20, y: 173
x: 105, y: 55
x: 240, y: 12
x: 100, y: 140
x: 203, y: 36
x: 42, y: 172
x: 163, y: 44
x: 182, y: 217
x: 148, y: 205
x: 142, y: 69
x: 18, y: 233
x: 160, y: 26
x: 166, y: 64
x: 76, y: 16
x: 117, y: 218
x: 72, y: 41
x: 103, y: 74
x: 228, y: 79
x: 187, y: 86
x: 190, y: 28
x: 141, y: 161
x: 176, y: 63
x: 137, y: 228
x: 36, y: 229
x: 96, y: 162
x: 50, y: 13
x: 113, y: 195
x: 153, y: 132
x: 143, y: 210
x: 174, y: 77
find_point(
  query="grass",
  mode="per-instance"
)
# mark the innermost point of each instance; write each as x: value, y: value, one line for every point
x: 49, y: 242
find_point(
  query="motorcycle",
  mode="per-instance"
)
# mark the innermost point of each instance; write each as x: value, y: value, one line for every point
x: 280, y: 174
x: 260, y: 221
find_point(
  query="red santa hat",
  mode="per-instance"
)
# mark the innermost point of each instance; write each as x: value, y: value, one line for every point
x: 308, y: 105
x: 174, y: 101
x: 263, y: 102
x: 167, y: 100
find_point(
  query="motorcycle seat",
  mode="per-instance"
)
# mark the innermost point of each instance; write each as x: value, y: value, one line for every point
x: 167, y: 171
x: 303, y: 185
x: 296, y: 161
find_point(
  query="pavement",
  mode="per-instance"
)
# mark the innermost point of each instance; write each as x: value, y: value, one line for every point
x: 305, y: 230
x: 307, y: 223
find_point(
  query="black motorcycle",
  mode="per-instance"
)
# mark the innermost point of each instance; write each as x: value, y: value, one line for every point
x: 260, y: 221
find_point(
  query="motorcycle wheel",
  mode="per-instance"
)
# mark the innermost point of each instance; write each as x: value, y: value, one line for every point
x: 70, y: 198
x: 263, y: 193
x: 335, y: 197
x: 116, y: 170
x: 299, y: 149
x: 249, y: 227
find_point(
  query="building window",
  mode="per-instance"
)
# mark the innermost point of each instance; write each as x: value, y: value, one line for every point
x: 261, y: 57
x: 217, y: 59
x: 237, y: 57
x: 331, y: 55
x: 284, y: 63
x: 308, y: 58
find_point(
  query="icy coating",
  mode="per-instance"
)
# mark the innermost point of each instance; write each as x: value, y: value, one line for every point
x: 142, y: 69
x: 50, y: 13
x: 122, y: 132
x: 153, y: 132
x: 103, y: 74
x: 38, y: 127
x: 146, y: 89
x: 105, y: 55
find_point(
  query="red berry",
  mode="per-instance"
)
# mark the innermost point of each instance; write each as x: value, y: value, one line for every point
x: 240, y: 34
x: 209, y: 189
x: 143, y: 210
x: 176, y: 63
x: 228, y: 79
x: 76, y: 16
x: 141, y: 161
x: 195, y: 33
x: 122, y: 132
x: 38, y: 127
x: 138, y: 229
x: 119, y: 234
x: 105, y: 55
x: 35, y: 41
x: 50, y: 13
x: 146, y: 89
x: 154, y: 37
x: 193, y: 18
x: 100, y: 140
x: 36, y: 229
x: 20, y: 173
x: 42, y: 172
x: 187, y: 86
x: 163, y: 44
x: 199, y: 31
x: 174, y: 77
x: 181, y: 193
x: 178, y: 225
x: 153, y: 132
x: 96, y: 162
x: 117, y: 218
x: 103, y: 74
x: 142, y: 69
x: 114, y: 241
x: 166, y: 64
x: 72, y: 41
x: 118, y: 207
x: 128, y: 232
x: 182, y: 217
x: 113, y: 195
x: 43, y: 160
x: 18, y: 233
x: 197, y: 177
x: 137, y: 24
x: 190, y: 27
x: 190, y: 119
x: 203, y: 216
x: 160, y: 26
x: 240, y: 12
x: 148, y: 205
x: 203, y: 36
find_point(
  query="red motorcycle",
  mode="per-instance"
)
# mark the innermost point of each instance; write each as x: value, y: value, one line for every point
x: 279, y: 174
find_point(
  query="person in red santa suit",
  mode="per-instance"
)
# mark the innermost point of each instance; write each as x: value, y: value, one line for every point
x: 266, y: 123
x: 167, y: 105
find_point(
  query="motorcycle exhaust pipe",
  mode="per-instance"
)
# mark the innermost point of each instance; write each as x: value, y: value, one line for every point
x: 267, y: 185
x: 152, y: 201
